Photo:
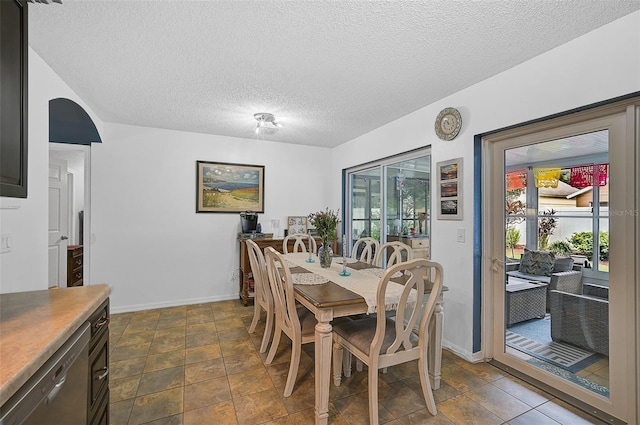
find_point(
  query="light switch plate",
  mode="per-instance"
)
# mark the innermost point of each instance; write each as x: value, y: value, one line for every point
x: 460, y: 236
x: 5, y: 243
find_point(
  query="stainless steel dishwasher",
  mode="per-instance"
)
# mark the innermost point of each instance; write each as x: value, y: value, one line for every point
x: 57, y: 392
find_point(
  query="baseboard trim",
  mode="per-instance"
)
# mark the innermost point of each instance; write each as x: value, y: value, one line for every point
x: 172, y: 303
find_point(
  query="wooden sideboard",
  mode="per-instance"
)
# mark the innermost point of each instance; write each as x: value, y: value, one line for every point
x: 246, y: 275
x: 419, y: 245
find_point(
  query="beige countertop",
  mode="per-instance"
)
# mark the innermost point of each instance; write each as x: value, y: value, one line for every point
x: 35, y: 324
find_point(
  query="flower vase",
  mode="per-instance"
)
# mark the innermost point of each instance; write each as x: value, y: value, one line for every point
x: 325, y: 253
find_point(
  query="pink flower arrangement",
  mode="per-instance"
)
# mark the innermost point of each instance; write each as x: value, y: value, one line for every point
x: 326, y: 223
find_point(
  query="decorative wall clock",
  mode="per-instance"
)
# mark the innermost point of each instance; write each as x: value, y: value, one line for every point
x: 448, y: 123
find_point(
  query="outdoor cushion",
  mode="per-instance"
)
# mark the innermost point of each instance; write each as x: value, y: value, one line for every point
x: 563, y: 264
x: 530, y: 277
x: 537, y: 262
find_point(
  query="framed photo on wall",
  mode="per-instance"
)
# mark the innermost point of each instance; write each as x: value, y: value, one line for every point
x: 449, y: 189
x: 296, y: 224
x: 229, y: 188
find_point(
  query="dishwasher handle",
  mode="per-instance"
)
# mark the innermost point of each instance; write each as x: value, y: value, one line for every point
x: 56, y: 389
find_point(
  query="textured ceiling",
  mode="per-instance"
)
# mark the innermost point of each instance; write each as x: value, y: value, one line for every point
x: 330, y: 70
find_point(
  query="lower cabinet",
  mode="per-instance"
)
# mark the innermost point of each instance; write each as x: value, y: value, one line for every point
x: 98, y: 400
x: 74, y: 265
x: 102, y: 414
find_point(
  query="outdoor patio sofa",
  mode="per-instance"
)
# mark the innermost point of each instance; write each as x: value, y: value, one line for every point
x: 581, y: 320
x: 544, y: 267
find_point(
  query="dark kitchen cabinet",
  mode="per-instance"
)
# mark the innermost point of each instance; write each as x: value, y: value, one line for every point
x: 74, y: 265
x: 98, y: 399
x: 13, y: 102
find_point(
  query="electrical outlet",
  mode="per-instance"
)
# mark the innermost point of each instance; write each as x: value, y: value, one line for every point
x: 460, y: 236
x: 233, y: 276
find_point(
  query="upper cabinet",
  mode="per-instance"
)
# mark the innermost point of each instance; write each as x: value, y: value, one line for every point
x: 13, y: 95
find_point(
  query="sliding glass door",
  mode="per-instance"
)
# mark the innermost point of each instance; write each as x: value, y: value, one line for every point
x: 365, y: 204
x: 562, y: 274
x: 390, y: 197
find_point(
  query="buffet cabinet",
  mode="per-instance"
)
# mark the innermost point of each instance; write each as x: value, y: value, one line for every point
x: 246, y: 288
x: 419, y: 245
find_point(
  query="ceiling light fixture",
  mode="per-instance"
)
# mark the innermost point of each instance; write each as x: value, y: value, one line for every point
x: 266, y: 122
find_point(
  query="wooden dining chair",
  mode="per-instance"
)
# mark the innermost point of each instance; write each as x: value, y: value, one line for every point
x: 395, y: 252
x: 301, y: 243
x: 382, y: 342
x: 292, y: 319
x: 365, y: 249
x: 263, y: 300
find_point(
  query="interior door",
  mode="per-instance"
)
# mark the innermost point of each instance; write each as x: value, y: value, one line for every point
x: 553, y: 147
x: 58, y: 222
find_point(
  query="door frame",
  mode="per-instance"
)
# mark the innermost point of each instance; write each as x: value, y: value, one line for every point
x: 87, y: 235
x: 623, y: 402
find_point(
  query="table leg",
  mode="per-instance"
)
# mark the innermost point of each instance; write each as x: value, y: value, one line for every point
x: 324, y: 345
x: 435, y: 345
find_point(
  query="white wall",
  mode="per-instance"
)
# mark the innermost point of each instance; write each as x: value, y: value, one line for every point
x: 600, y: 65
x: 154, y: 250
x: 148, y: 242
x: 26, y: 220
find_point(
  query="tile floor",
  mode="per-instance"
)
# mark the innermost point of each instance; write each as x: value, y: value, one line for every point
x: 198, y: 364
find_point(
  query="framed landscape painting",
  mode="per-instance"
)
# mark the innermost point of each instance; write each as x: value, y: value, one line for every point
x: 229, y: 188
x: 449, y: 203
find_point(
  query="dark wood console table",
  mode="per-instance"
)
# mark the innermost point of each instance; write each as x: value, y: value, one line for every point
x: 246, y: 275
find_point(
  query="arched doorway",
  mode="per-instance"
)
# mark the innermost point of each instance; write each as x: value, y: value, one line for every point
x: 71, y: 132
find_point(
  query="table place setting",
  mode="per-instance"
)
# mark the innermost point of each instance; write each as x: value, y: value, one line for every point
x: 380, y: 272
x: 306, y: 278
x: 359, y: 280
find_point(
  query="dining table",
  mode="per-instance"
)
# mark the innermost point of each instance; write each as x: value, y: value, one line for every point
x: 348, y: 287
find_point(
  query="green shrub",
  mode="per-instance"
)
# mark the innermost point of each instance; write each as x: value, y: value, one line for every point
x: 512, y: 239
x: 562, y: 248
x: 604, y: 246
x: 583, y: 244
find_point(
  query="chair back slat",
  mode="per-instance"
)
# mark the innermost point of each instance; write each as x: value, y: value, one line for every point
x: 260, y: 276
x: 282, y: 288
x: 300, y: 244
x: 404, y: 328
x: 395, y: 252
x: 407, y: 314
x: 364, y: 249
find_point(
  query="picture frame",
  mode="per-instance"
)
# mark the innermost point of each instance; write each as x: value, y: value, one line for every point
x: 449, y: 189
x: 223, y: 187
x: 296, y: 224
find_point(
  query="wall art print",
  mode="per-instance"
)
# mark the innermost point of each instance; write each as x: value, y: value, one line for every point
x: 449, y: 201
x: 229, y: 188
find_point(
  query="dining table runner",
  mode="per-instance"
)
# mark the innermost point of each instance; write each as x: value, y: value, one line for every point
x: 363, y: 278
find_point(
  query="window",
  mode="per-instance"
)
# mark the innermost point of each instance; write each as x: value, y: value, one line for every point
x: 389, y: 197
x: 553, y: 204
